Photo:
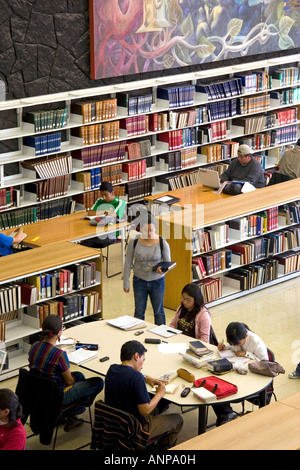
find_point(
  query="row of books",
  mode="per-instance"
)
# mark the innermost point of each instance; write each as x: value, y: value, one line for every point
x: 95, y: 110
x: 260, y: 123
x: 288, y: 262
x: 248, y: 277
x: 134, y: 150
x: 45, y: 120
x: 222, y: 109
x: 254, y: 104
x: 44, y: 144
x: 218, y: 235
x: 135, y: 104
x: 211, y: 288
x: 271, y: 138
x: 134, y: 170
x: 220, y: 89
x: 91, y: 179
x: 190, y: 136
x: 289, y: 213
x: 211, y: 263
x: 31, y: 214
x: 6, y: 198
x: 139, y: 189
x: 246, y: 252
x: 180, y: 159
x: 188, y: 117
x: 100, y: 154
x: 287, y: 75
x: 50, y: 188
x: 96, y: 133
x: 177, y: 96
x: 67, y: 308
x: 112, y: 173
x: 158, y: 122
x: 289, y: 96
x: 135, y: 125
x: 221, y: 151
x: 51, y: 167
x: 58, y: 282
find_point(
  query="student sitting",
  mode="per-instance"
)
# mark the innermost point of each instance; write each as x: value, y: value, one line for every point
x: 192, y: 317
x: 7, y: 242
x: 125, y: 389
x: 244, y: 343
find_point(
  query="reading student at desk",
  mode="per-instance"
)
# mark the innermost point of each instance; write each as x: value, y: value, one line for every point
x: 7, y: 242
x: 244, y: 168
x: 243, y: 343
x: 107, y: 209
x: 192, y: 317
x: 125, y: 389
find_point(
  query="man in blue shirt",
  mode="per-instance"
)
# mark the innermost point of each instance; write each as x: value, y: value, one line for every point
x: 7, y: 242
x: 125, y: 389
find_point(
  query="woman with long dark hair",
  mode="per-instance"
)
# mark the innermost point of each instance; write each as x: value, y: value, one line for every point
x: 192, y: 317
x: 12, y: 432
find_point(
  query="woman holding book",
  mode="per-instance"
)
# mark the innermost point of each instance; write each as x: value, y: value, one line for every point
x: 144, y: 254
x: 192, y: 317
x: 47, y: 358
x: 7, y: 242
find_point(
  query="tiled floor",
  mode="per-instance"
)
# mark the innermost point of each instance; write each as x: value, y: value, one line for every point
x: 273, y: 313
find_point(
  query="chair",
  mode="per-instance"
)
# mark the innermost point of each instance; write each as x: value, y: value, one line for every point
x: 254, y: 399
x: 117, y: 430
x: 278, y: 177
x: 42, y: 402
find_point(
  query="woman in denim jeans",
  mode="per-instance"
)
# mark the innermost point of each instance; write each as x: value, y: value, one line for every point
x: 144, y: 255
x: 46, y: 358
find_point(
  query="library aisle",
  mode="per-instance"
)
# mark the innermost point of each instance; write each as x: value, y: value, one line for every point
x: 272, y: 313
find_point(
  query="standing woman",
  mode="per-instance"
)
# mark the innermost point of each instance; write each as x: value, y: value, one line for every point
x: 12, y: 431
x: 192, y: 317
x: 144, y: 254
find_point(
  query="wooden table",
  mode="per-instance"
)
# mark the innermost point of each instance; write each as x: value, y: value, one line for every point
x: 273, y: 427
x: 110, y: 340
x: 191, y: 195
x: 72, y: 227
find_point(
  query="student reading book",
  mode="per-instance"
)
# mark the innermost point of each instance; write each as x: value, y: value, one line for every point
x: 7, y: 241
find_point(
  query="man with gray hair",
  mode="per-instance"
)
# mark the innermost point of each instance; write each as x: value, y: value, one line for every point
x: 244, y: 168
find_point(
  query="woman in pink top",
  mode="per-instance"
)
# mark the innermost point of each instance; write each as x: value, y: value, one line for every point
x: 192, y: 317
x: 12, y: 432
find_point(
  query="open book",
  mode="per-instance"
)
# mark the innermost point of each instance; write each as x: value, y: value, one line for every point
x: 15, y: 232
x: 81, y: 355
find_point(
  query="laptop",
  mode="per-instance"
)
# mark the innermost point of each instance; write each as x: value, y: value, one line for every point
x: 209, y: 178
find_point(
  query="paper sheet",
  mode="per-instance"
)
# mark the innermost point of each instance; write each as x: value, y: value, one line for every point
x: 171, y: 348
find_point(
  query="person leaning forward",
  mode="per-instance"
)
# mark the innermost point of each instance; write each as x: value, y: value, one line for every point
x: 244, y: 168
x: 125, y: 389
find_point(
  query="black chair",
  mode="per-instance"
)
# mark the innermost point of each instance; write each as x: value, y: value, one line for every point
x: 42, y: 403
x: 117, y: 430
x: 278, y: 177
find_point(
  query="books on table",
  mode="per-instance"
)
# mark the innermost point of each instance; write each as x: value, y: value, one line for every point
x: 81, y: 355
x: 204, y: 395
x: 126, y: 322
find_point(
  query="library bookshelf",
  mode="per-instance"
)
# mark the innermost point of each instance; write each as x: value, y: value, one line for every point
x: 74, y: 292
x: 57, y: 148
x: 228, y: 224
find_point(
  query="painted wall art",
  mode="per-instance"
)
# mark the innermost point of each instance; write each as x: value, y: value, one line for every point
x: 136, y: 36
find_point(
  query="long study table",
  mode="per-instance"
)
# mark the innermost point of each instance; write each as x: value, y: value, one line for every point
x: 110, y: 340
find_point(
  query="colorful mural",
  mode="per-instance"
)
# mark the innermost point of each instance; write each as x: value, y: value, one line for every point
x: 134, y: 36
